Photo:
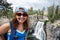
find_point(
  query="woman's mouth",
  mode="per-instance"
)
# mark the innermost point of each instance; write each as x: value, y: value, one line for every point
x: 20, y: 19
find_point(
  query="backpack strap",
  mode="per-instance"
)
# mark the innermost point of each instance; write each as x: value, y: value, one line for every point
x: 13, y: 31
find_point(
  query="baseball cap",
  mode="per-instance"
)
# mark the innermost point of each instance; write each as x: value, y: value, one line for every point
x: 20, y: 9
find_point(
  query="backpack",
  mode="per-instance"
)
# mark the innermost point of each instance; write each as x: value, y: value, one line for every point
x: 13, y: 36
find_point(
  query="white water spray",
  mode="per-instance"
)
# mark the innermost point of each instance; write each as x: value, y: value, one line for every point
x: 39, y: 31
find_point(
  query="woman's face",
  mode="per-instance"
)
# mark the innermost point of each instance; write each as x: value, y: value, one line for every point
x: 21, y: 17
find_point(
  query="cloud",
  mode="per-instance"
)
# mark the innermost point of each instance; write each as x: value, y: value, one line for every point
x: 36, y: 4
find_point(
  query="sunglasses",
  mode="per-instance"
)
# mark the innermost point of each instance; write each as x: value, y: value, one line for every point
x: 24, y: 14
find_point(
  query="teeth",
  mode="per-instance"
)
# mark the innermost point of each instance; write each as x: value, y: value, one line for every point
x: 20, y: 19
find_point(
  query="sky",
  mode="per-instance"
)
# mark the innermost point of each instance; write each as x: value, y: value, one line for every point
x: 36, y: 4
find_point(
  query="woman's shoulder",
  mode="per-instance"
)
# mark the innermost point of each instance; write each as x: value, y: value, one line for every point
x: 4, y: 28
x: 6, y: 25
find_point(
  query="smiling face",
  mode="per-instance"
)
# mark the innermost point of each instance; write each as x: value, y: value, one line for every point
x: 21, y: 17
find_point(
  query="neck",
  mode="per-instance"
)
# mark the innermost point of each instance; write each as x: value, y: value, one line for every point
x: 20, y: 24
x: 20, y: 27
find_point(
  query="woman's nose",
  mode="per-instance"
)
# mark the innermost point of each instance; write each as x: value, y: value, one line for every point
x: 21, y: 16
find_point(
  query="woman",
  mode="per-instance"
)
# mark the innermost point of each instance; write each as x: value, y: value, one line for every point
x: 19, y: 23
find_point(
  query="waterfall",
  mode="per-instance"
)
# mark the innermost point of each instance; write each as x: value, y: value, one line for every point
x: 39, y: 32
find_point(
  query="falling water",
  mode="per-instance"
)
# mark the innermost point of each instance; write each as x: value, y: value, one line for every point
x: 39, y: 31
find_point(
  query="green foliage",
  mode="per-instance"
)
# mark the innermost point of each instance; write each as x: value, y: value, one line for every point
x: 31, y: 11
x: 10, y: 14
x: 43, y: 12
x: 57, y: 13
x: 7, y: 11
x: 53, y: 14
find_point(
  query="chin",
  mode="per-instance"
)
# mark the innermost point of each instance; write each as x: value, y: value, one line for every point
x: 21, y: 21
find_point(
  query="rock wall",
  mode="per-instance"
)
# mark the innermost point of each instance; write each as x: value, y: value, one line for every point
x: 32, y: 20
x: 53, y: 30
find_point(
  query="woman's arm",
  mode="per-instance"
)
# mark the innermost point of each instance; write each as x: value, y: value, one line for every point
x: 4, y: 28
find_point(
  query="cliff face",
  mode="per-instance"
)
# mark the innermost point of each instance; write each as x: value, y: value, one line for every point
x: 32, y: 20
x: 53, y: 30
